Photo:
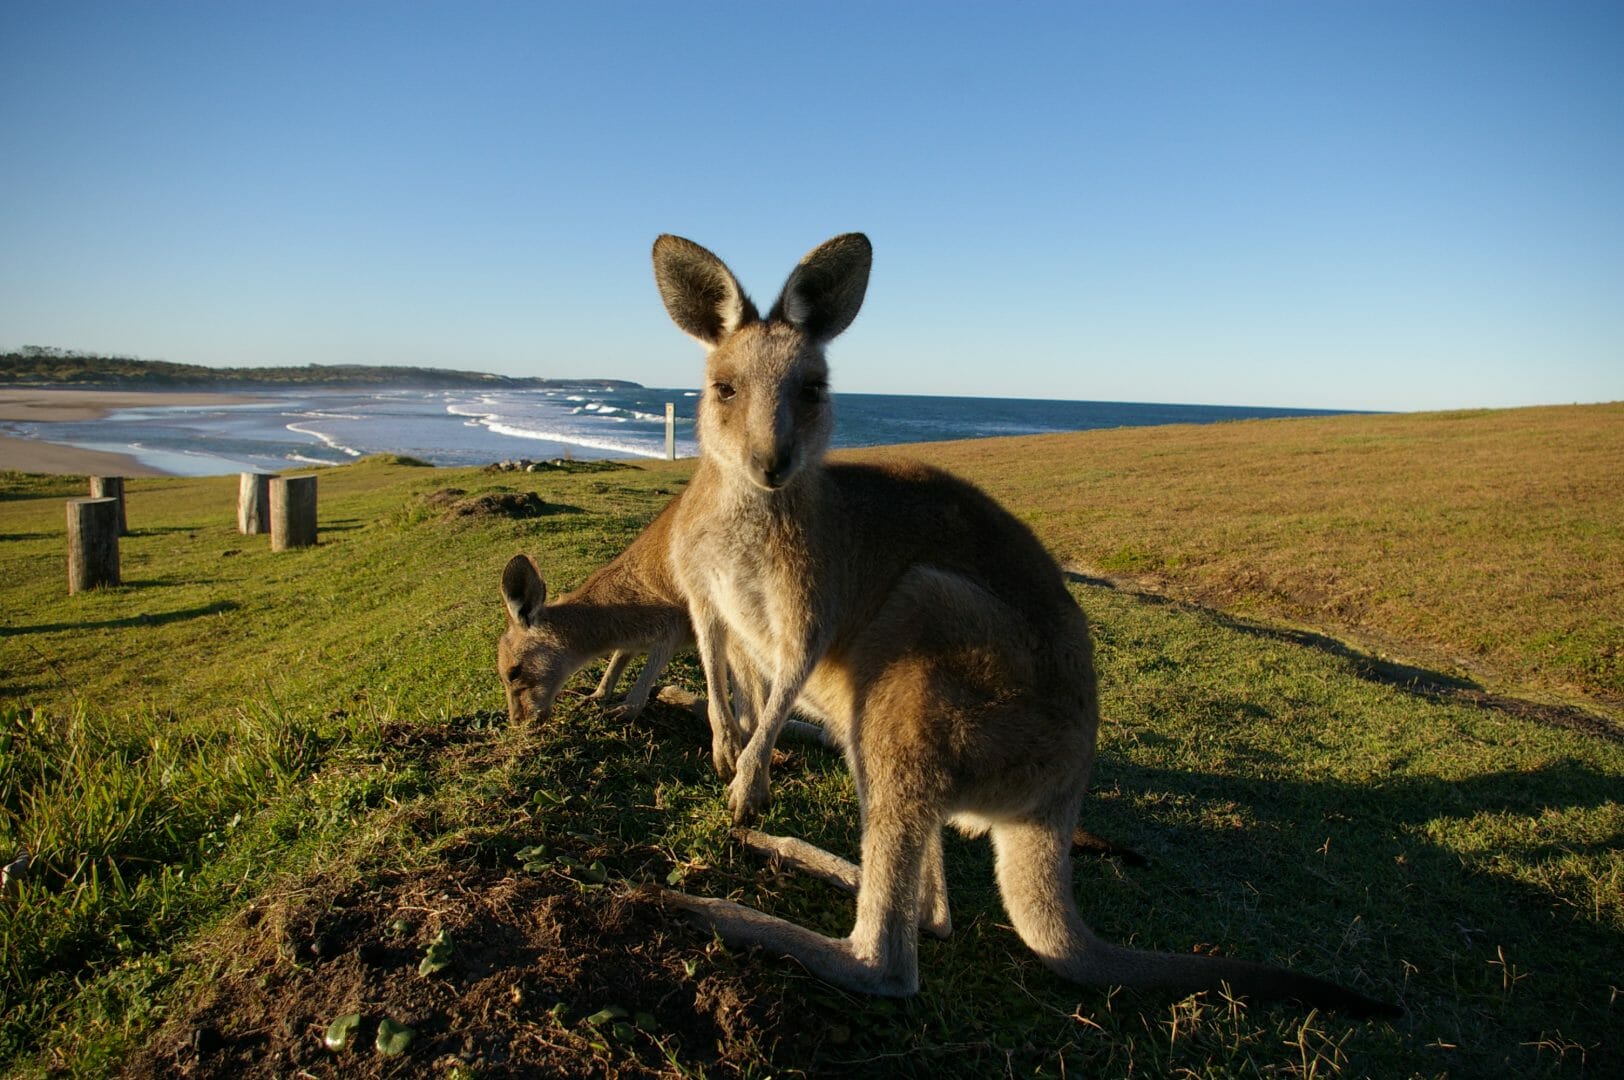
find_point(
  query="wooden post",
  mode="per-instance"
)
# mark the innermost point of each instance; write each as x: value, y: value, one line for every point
x: 670, y: 432
x: 111, y: 487
x: 293, y: 512
x: 92, y: 543
x: 254, y: 503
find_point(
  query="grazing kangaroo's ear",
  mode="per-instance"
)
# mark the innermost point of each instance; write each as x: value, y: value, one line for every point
x: 701, y: 293
x: 822, y: 296
x: 523, y: 590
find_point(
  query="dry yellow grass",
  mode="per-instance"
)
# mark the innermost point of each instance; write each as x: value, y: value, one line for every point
x: 1485, y: 544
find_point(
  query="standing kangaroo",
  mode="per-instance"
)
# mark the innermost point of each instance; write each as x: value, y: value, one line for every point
x: 956, y: 700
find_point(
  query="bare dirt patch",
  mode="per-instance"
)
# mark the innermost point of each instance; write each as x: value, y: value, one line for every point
x: 533, y: 958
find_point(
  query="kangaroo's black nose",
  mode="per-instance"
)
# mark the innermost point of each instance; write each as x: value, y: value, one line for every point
x: 774, y: 469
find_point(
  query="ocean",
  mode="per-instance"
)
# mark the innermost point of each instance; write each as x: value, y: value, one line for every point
x: 293, y: 428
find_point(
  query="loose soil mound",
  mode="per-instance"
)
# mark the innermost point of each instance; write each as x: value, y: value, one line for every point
x: 533, y: 957
x: 450, y: 503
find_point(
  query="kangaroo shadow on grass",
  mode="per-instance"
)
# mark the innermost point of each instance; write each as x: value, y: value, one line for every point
x: 1420, y: 681
x: 1375, y: 882
x: 1373, y: 668
x: 1391, y: 875
x: 1386, y: 884
x: 160, y: 619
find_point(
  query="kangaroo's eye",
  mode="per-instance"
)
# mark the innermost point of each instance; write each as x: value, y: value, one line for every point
x: 814, y: 392
x: 512, y: 674
x: 723, y: 390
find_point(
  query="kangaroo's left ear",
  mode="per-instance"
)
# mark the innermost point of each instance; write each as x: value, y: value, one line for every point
x: 823, y: 295
x: 523, y: 591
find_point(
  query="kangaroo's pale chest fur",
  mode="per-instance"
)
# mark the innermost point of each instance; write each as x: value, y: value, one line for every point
x: 749, y: 559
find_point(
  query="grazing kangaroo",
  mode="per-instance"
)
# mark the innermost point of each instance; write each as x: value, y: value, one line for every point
x: 956, y: 699
x: 628, y: 606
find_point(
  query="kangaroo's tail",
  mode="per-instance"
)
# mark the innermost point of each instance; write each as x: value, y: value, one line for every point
x: 1034, y: 877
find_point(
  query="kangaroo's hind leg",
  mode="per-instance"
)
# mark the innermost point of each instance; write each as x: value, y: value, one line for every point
x: 934, y: 916
x: 881, y: 956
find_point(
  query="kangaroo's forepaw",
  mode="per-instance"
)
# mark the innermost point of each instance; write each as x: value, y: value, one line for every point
x: 725, y: 747
x: 723, y: 761
x: 748, y: 796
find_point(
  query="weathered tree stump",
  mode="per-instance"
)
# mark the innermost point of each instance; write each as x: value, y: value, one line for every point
x: 293, y: 512
x: 254, y: 503
x: 111, y: 487
x: 92, y: 543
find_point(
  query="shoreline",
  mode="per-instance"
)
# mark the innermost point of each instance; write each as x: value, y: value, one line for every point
x: 33, y: 454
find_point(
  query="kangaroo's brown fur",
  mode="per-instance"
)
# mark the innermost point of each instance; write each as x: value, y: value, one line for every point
x: 957, y: 698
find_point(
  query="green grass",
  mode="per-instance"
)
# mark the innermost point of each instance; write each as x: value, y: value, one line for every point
x: 1485, y: 544
x: 212, y: 760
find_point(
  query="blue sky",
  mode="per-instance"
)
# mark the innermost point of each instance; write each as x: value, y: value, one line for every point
x: 1354, y: 205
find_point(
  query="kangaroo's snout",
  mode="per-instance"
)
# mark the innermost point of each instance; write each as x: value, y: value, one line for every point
x: 773, y: 469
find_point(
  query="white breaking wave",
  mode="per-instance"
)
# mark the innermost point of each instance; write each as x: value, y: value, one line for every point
x: 327, y: 440
x: 592, y: 442
x: 475, y: 417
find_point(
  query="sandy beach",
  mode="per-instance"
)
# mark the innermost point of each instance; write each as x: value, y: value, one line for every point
x: 37, y: 455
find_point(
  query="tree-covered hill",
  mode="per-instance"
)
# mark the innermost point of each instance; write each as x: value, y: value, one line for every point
x: 34, y: 365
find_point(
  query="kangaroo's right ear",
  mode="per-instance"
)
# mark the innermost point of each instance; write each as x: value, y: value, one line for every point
x: 701, y: 293
x: 523, y: 590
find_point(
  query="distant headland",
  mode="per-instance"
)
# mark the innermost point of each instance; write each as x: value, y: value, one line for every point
x: 43, y: 366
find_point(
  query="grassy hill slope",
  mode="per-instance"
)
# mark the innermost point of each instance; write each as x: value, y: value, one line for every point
x: 259, y: 787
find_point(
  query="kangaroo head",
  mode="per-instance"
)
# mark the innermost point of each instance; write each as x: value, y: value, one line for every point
x: 764, y: 413
x: 533, y: 661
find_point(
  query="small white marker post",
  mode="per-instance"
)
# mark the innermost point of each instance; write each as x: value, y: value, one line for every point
x: 670, y: 431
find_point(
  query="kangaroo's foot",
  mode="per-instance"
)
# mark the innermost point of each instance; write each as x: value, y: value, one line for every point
x: 1087, y: 843
x: 624, y: 711
x: 802, y: 857
x: 831, y: 959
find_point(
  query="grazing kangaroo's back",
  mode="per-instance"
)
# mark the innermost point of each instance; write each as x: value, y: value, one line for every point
x: 629, y: 605
x: 928, y: 626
